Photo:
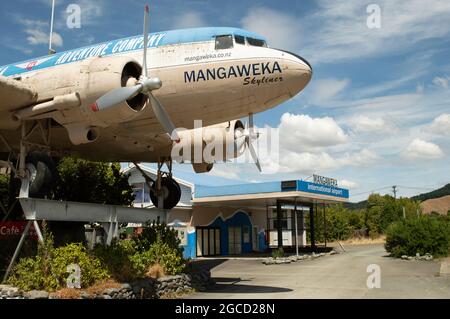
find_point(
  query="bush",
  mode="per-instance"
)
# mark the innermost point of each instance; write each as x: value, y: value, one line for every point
x: 169, y: 258
x: 422, y: 235
x: 122, y: 260
x: 128, y: 261
x: 278, y: 253
x: 48, y: 270
x: 153, y: 231
x: 92, y: 269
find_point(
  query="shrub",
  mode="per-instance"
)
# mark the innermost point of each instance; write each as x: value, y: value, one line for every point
x: 278, y: 253
x: 126, y: 260
x: 92, y: 269
x: 153, y: 231
x: 120, y: 260
x: 422, y: 235
x: 168, y: 257
x: 48, y: 270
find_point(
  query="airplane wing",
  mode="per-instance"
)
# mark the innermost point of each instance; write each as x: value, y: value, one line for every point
x: 15, y: 94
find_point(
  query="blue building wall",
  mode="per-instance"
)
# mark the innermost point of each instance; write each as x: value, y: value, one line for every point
x: 240, y: 219
x: 190, y: 250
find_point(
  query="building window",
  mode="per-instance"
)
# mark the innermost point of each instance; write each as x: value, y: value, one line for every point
x: 224, y: 42
x: 142, y: 193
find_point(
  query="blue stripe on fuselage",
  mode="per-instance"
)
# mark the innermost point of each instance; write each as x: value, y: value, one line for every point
x: 122, y: 46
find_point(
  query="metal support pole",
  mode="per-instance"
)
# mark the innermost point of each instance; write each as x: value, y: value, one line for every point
x: 311, y: 227
x: 38, y: 231
x: 17, y: 251
x: 325, y: 224
x: 279, y: 228
x: 296, y: 227
x: 23, y: 174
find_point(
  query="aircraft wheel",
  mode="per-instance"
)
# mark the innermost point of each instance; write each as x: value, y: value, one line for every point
x: 171, y: 193
x: 42, y: 170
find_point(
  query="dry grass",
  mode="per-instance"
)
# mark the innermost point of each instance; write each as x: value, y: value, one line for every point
x: 365, y: 241
x: 156, y: 271
x: 68, y: 293
x: 101, y: 286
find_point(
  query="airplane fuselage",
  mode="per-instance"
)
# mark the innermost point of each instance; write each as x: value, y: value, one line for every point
x: 203, y: 79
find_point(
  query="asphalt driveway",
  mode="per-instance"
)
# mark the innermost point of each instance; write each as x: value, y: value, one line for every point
x: 338, y: 276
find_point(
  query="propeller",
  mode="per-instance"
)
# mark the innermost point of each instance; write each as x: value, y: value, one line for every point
x: 248, y: 137
x: 145, y: 85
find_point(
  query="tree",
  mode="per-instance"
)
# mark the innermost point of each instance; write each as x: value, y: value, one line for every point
x: 92, y: 182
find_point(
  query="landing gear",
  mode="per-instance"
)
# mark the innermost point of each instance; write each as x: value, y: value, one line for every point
x: 165, y: 192
x: 169, y: 194
x: 42, y: 173
x: 33, y: 164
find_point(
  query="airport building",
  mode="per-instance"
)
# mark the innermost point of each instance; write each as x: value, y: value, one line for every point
x: 246, y: 218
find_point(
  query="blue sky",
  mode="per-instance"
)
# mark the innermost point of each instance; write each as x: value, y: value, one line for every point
x: 376, y: 114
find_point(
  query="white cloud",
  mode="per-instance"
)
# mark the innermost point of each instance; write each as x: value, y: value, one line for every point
x: 301, y: 132
x: 90, y: 11
x: 347, y: 184
x: 441, y: 82
x: 227, y: 171
x: 282, y: 30
x: 190, y: 19
x: 323, y: 91
x: 440, y: 125
x: 310, y: 162
x: 363, y: 158
x: 420, y: 149
x: 338, y: 30
x: 36, y: 37
x: 38, y: 32
x: 369, y: 124
x: 307, y: 163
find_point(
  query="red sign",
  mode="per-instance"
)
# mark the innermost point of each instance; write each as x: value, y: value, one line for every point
x: 15, y: 229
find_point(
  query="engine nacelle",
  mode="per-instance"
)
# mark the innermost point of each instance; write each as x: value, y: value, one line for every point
x: 202, y: 168
x: 107, y: 74
x: 81, y: 134
x: 208, y: 145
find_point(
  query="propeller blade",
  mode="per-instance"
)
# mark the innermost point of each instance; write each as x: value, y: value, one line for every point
x: 163, y: 118
x: 115, y: 97
x: 146, y: 23
x: 254, y: 156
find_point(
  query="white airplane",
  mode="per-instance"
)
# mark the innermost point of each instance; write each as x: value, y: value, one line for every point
x: 100, y: 103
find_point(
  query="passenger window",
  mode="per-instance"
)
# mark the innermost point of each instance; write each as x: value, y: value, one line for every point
x: 256, y: 42
x: 224, y: 42
x: 239, y: 39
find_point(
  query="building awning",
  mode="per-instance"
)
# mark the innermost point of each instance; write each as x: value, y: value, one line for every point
x: 263, y: 194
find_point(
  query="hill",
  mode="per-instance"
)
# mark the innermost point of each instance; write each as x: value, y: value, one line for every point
x: 436, y: 194
x: 441, y: 192
x: 356, y: 206
x: 439, y: 205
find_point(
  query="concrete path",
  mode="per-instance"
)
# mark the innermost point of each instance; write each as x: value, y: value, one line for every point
x: 338, y: 276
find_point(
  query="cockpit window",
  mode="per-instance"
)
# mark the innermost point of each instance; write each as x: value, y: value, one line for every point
x: 256, y: 42
x: 239, y: 39
x: 224, y: 42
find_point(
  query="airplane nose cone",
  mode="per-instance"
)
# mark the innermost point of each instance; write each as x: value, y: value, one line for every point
x: 298, y: 72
